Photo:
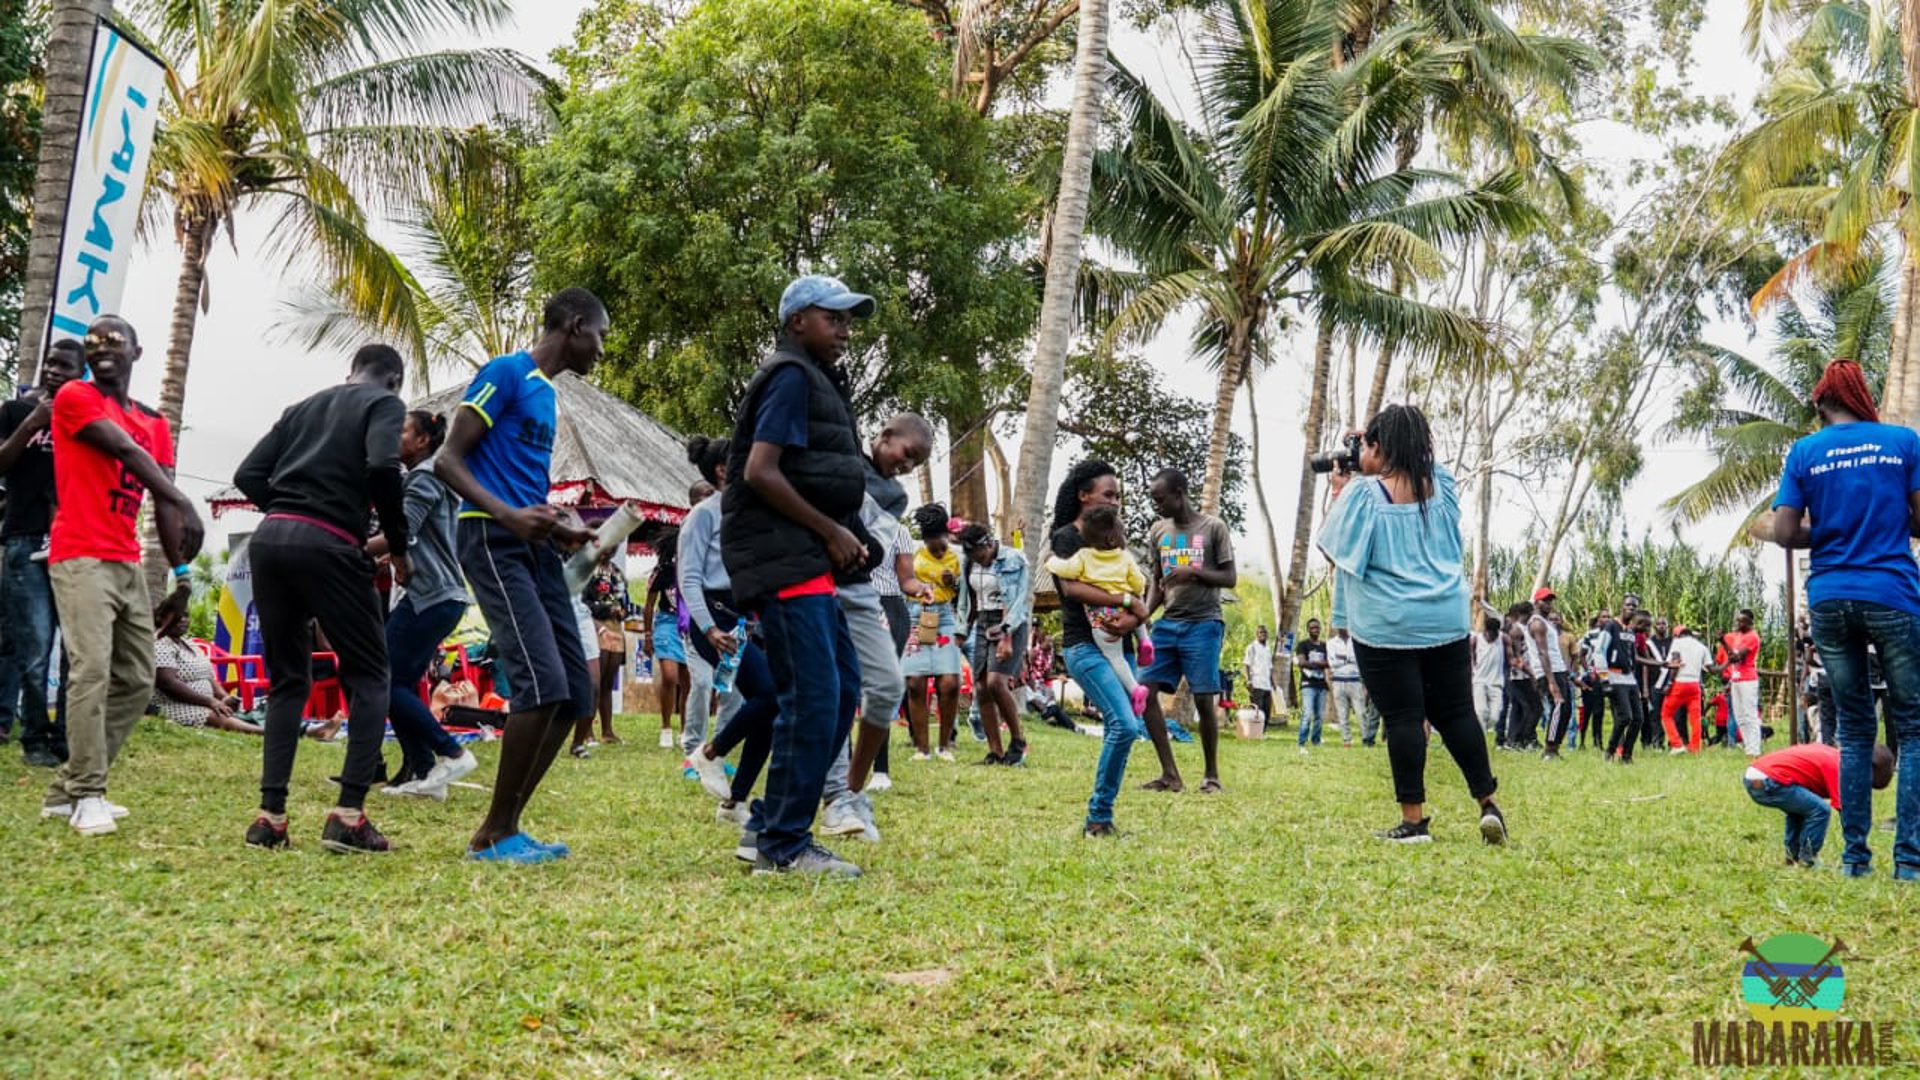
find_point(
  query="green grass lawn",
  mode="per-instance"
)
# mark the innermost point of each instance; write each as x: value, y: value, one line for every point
x: 1259, y: 933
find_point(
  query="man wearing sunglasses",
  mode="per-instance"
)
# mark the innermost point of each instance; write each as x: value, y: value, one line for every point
x: 108, y: 452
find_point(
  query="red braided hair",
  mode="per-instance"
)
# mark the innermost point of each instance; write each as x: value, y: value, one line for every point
x: 1843, y: 384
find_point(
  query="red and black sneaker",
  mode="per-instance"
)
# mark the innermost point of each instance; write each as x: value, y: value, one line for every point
x: 263, y: 833
x: 358, y: 839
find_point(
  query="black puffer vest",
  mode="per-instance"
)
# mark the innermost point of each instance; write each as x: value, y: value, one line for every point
x: 764, y: 550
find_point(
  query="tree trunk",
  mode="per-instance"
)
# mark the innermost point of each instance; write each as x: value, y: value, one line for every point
x: 1233, y: 366
x: 1900, y: 399
x: 1003, y: 485
x: 1377, y: 394
x: 1303, y: 515
x: 69, y: 48
x: 1067, y: 228
x: 967, y: 464
x: 1483, y: 480
x: 195, y: 231
x: 1354, y: 419
x: 1282, y: 660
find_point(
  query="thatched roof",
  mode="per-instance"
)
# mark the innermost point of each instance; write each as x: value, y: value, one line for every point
x: 605, y: 452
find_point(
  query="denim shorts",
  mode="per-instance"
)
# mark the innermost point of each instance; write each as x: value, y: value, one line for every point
x: 1184, y: 648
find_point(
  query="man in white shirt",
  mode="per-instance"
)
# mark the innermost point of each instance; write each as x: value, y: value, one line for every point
x: 1489, y: 674
x: 1343, y: 675
x: 1687, y: 657
x: 1257, y: 666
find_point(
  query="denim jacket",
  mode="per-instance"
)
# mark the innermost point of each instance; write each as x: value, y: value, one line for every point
x: 1015, y: 580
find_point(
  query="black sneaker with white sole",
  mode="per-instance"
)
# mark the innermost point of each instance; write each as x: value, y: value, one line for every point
x: 265, y: 834
x: 357, y: 839
x: 1408, y: 833
x: 1493, y: 825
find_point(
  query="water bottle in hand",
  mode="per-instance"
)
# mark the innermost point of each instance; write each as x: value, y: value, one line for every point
x: 724, y: 672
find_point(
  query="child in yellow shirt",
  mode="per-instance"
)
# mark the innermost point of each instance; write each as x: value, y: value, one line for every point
x: 1105, y: 565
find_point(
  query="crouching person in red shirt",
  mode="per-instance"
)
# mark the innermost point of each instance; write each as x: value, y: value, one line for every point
x: 1801, y: 782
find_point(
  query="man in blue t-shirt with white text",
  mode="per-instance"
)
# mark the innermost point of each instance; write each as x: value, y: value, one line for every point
x: 1850, y: 494
x: 498, y: 458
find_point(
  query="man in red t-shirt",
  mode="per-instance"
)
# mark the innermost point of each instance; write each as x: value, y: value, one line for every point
x: 1742, y: 645
x: 1801, y: 782
x: 108, y: 451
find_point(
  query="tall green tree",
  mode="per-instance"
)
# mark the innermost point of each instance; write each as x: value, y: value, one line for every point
x: 1283, y: 203
x: 23, y: 39
x: 1751, y: 412
x: 319, y: 110
x: 761, y: 139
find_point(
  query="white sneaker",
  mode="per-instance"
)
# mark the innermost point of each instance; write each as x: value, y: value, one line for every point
x: 713, y: 775
x: 92, y: 817
x: 878, y: 783
x: 842, y: 818
x: 944, y: 754
x: 737, y: 814
x: 922, y: 755
x: 666, y: 738
x: 445, y: 771
x: 64, y: 811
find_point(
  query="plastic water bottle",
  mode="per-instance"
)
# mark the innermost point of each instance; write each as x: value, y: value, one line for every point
x: 728, y: 667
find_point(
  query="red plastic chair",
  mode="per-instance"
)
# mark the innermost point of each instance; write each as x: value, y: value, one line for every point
x: 242, y: 674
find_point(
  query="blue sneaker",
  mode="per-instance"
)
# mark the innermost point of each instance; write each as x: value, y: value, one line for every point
x: 1178, y: 732
x: 517, y: 848
x: 560, y: 851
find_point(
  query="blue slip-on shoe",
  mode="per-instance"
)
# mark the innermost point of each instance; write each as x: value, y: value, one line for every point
x: 560, y: 851
x: 518, y: 848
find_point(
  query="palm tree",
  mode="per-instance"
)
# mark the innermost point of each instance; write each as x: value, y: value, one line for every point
x: 470, y: 267
x: 1832, y: 158
x: 1283, y: 205
x: 69, y: 44
x: 325, y: 109
x: 1063, y: 272
x: 1774, y: 406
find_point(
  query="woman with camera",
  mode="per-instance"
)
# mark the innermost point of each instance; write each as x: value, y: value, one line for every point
x: 1393, y: 536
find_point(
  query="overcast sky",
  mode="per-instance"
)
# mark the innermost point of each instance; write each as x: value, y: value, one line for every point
x: 243, y: 374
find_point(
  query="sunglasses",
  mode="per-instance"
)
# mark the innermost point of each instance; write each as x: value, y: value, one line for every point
x: 102, y: 340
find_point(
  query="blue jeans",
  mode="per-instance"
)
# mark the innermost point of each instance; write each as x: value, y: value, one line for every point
x: 26, y: 594
x: 1806, y: 812
x: 1842, y: 630
x: 1088, y: 666
x: 1313, y: 711
x: 811, y: 657
x: 412, y: 638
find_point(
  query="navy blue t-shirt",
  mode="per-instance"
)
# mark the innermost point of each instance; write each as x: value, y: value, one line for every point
x: 781, y: 418
x: 1853, y: 481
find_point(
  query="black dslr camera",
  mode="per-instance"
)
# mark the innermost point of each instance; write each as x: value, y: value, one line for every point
x: 1346, y: 459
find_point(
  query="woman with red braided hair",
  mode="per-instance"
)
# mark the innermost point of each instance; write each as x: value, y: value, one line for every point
x: 1850, y: 494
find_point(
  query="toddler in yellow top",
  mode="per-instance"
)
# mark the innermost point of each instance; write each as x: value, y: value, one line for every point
x: 1104, y: 564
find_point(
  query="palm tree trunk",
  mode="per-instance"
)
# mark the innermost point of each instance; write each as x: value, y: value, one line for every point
x: 1483, y: 481
x: 1067, y: 227
x: 1377, y: 394
x: 1354, y: 419
x: 1233, y: 365
x: 967, y: 463
x: 997, y: 456
x: 1303, y: 516
x: 69, y: 46
x: 1282, y: 658
x: 195, y: 232
x: 1900, y: 399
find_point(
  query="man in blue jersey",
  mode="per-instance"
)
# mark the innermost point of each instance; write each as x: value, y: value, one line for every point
x: 498, y: 458
x: 1850, y: 493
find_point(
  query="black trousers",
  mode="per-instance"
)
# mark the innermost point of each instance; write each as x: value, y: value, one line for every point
x: 1414, y: 687
x: 1523, y: 712
x: 1593, y: 715
x: 302, y: 574
x: 1559, y: 717
x: 1652, y: 733
x: 1627, y: 718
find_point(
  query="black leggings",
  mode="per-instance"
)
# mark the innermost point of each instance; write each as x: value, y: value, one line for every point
x: 1432, y: 686
x: 1523, y: 713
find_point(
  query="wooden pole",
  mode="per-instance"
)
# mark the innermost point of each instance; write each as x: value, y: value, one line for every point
x: 1793, y: 658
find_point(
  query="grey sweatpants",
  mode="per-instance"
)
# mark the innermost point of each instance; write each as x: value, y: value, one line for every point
x: 882, y: 687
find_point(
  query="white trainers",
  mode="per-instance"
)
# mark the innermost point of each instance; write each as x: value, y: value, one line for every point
x: 92, y: 817
x: 666, y: 738
x: 922, y: 755
x: 713, y: 774
x: 64, y: 811
x: 737, y: 814
x: 444, y: 772
x: 842, y: 817
x: 944, y: 754
x: 878, y: 783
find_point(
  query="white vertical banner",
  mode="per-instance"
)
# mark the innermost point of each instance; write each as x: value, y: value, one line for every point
x: 117, y: 121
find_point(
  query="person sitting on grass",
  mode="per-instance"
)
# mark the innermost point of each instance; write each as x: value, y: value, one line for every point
x: 184, y: 690
x: 1105, y: 564
x: 1801, y: 782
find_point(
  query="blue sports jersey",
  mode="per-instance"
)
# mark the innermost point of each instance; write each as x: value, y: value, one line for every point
x: 1853, y: 481
x: 514, y: 459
